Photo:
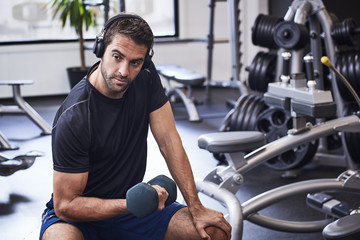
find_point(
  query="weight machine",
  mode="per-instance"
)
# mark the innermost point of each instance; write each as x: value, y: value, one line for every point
x: 301, y: 96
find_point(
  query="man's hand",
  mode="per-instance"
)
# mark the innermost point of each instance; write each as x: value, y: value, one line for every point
x: 204, y: 217
x: 162, y: 194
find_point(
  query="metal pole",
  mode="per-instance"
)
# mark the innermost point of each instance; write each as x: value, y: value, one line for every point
x: 122, y: 5
x: 106, y: 10
x: 210, y: 47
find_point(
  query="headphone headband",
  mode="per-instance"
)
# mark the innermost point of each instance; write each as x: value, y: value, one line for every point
x: 99, y: 46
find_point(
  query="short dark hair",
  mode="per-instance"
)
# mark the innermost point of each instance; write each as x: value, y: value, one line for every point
x: 134, y: 27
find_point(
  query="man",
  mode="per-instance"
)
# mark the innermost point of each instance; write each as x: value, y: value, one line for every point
x: 99, y: 149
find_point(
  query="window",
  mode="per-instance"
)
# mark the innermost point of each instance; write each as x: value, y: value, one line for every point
x: 24, y: 21
x: 162, y: 15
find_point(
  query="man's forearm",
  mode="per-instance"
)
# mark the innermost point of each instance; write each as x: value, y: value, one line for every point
x: 85, y: 209
x: 179, y: 167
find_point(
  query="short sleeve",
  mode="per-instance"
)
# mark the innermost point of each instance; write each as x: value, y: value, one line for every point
x: 157, y: 95
x: 71, y: 140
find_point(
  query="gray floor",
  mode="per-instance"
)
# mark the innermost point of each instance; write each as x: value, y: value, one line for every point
x: 23, y: 195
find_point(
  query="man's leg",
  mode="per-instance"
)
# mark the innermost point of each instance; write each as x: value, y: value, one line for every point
x: 181, y: 227
x: 63, y: 231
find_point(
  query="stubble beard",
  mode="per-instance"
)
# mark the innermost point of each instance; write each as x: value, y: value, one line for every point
x: 112, y: 83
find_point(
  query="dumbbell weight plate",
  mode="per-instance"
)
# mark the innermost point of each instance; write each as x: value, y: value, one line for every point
x: 142, y: 200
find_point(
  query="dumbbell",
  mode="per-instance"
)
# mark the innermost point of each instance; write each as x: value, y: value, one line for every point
x: 142, y: 199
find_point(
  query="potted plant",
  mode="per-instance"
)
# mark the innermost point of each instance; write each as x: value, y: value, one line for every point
x: 79, y: 16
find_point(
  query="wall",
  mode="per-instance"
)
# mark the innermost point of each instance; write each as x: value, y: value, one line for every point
x: 46, y: 63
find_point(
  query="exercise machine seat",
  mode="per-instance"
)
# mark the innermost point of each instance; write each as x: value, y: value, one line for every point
x: 181, y: 75
x: 345, y: 228
x: 228, y: 142
x: 186, y: 78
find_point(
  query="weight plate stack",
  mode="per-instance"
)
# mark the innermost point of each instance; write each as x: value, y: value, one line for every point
x: 343, y: 33
x: 348, y: 63
x: 263, y: 29
x: 252, y: 114
x: 262, y: 71
x: 352, y: 139
x: 275, y: 123
x: 244, y: 116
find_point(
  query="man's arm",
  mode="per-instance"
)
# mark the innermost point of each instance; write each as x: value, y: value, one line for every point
x: 164, y: 130
x: 70, y: 205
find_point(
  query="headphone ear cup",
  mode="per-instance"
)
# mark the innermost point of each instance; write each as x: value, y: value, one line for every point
x: 148, y: 58
x: 98, y: 48
x: 147, y: 62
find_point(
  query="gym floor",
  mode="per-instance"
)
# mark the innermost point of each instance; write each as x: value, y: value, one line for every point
x: 24, y: 194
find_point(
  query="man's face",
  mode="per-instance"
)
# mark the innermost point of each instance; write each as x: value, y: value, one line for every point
x: 121, y: 63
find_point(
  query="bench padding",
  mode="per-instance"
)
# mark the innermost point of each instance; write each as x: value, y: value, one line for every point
x: 181, y: 75
x: 227, y: 142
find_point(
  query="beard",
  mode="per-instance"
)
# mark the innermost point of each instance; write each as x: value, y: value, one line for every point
x: 112, y: 82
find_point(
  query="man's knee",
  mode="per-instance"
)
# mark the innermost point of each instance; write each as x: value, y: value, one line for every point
x: 61, y: 230
x: 216, y: 233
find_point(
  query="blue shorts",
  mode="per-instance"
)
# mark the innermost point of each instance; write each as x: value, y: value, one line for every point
x: 126, y: 227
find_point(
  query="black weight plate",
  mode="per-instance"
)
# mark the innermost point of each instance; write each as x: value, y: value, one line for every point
x: 275, y: 123
x: 262, y: 74
x: 249, y: 113
x: 233, y: 121
x: 257, y: 74
x: 254, y: 29
x: 347, y: 66
x: 355, y: 81
x: 344, y: 65
x: 349, y: 26
x: 351, y: 69
x: 236, y: 114
x: 270, y: 70
x: 268, y: 27
x: 357, y: 70
x: 352, y: 139
x: 260, y: 107
x: 252, y: 71
x: 343, y: 69
x: 242, y: 113
x: 257, y: 30
x: 262, y: 31
x: 297, y: 157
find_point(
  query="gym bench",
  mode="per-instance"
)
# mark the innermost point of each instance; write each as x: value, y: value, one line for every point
x: 21, y: 107
x: 188, y: 79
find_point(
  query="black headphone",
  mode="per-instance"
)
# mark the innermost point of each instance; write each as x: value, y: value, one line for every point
x: 99, y: 46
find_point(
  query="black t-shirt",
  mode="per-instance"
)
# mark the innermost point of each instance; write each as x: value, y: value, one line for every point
x: 106, y: 137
